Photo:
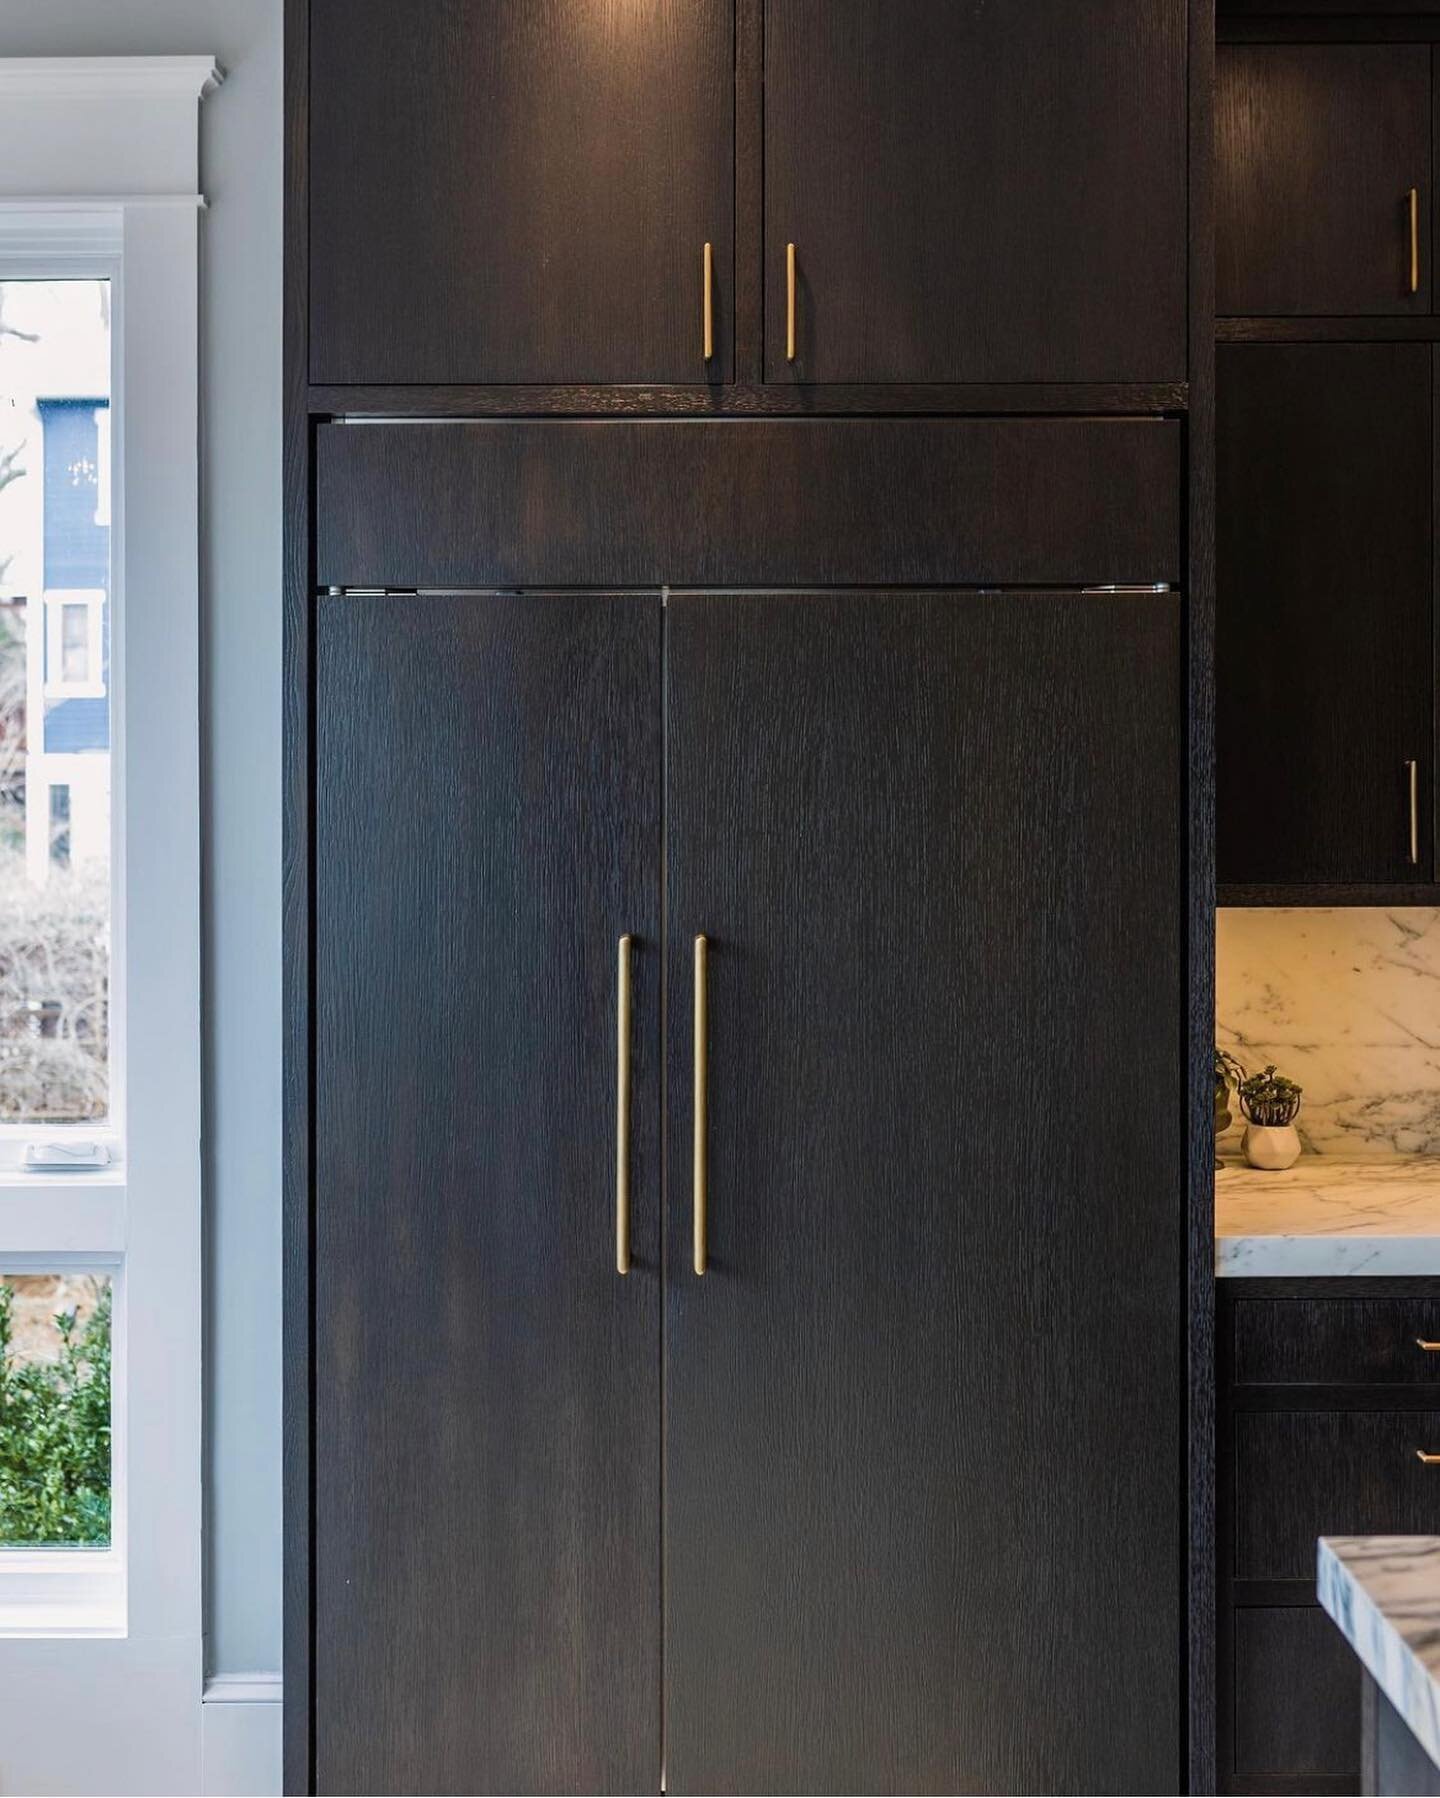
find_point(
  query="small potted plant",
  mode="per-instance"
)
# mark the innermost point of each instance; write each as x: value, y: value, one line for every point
x: 1270, y: 1104
x: 1228, y: 1075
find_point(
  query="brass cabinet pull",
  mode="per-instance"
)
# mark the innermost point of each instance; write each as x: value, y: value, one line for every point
x: 1414, y: 240
x: 789, y: 302
x: 1412, y: 770
x: 622, y: 1110
x: 1429, y: 1460
x: 708, y: 307
x: 1430, y: 1348
x: 700, y: 1084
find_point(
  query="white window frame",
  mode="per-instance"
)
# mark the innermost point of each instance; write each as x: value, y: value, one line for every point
x: 101, y: 1653
x: 92, y: 685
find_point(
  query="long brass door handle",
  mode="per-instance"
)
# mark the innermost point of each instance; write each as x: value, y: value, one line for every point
x: 1431, y: 1348
x: 1412, y: 771
x: 701, y: 1071
x: 1414, y: 202
x: 789, y: 302
x: 1429, y: 1460
x: 707, y: 308
x: 622, y: 1108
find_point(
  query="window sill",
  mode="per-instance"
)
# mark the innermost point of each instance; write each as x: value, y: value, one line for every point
x: 61, y: 1592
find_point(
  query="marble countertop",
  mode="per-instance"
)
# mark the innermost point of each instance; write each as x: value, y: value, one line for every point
x: 1327, y: 1216
x: 1384, y: 1593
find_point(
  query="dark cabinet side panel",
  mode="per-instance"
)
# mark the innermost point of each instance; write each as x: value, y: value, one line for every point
x: 785, y: 502
x: 519, y: 190
x: 487, y: 1393
x: 1318, y: 146
x: 976, y: 193
x: 1325, y: 653
x: 923, y: 1457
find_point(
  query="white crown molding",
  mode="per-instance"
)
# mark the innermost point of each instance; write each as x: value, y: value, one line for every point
x: 244, y: 1688
x: 108, y: 77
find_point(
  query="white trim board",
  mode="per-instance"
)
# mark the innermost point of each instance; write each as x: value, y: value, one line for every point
x: 244, y: 1688
x: 70, y: 125
x: 101, y: 77
x: 240, y: 1754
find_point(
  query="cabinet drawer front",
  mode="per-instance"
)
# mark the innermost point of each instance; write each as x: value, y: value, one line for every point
x: 1045, y: 502
x: 1297, y: 1695
x: 1305, y: 1474
x: 1337, y: 1342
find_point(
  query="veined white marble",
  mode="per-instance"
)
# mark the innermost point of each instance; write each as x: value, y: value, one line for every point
x: 1384, y: 1593
x: 1347, y: 1002
x: 1327, y: 1216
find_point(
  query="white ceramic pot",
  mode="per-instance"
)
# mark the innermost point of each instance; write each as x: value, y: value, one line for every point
x: 1272, y: 1146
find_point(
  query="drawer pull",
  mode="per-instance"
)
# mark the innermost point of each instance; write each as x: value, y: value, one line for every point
x: 1430, y: 1348
x: 1412, y: 775
x: 789, y: 302
x: 1429, y: 1460
x: 707, y: 307
x: 1413, y: 201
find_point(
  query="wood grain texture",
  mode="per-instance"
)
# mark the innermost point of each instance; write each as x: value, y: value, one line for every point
x: 1243, y: 893
x: 558, y: 503
x: 487, y: 1426
x: 748, y: 399
x: 1325, y: 645
x: 519, y: 190
x: 1310, y: 328
x: 971, y: 189
x: 898, y: 1500
x: 1305, y: 1474
x: 749, y: 192
x: 1328, y: 1347
x: 1200, y: 1562
x: 1318, y: 147
x: 1337, y: 1341
x: 1297, y: 1696
x: 297, y: 586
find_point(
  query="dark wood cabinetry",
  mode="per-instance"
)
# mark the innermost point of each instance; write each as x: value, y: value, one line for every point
x: 1321, y: 147
x: 458, y: 156
x: 589, y: 635
x: 487, y: 1451
x: 858, y: 1536
x: 1325, y: 650
x: 1325, y: 679
x: 521, y: 191
x: 1326, y: 1395
x: 970, y: 190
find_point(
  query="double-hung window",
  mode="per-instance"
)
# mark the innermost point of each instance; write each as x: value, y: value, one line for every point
x: 100, y: 1570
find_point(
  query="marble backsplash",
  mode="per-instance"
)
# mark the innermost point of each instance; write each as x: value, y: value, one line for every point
x: 1347, y: 1002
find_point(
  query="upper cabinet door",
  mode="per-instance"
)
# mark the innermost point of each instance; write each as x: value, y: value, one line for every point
x: 519, y: 190
x: 1321, y: 148
x: 1325, y: 687
x: 975, y: 191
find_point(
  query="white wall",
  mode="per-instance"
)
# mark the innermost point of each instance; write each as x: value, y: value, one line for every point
x: 240, y: 601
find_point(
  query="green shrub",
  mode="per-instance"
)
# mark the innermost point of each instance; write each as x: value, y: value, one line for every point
x: 55, y: 1434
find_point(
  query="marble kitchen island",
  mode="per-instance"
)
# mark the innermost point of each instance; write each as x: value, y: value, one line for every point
x: 1383, y: 1594
x: 1328, y: 1215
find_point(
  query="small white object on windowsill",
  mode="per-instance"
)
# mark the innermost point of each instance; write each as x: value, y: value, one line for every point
x: 65, y: 1157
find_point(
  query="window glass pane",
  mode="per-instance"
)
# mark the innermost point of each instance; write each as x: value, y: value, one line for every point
x: 75, y: 643
x: 55, y: 1410
x: 54, y: 746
